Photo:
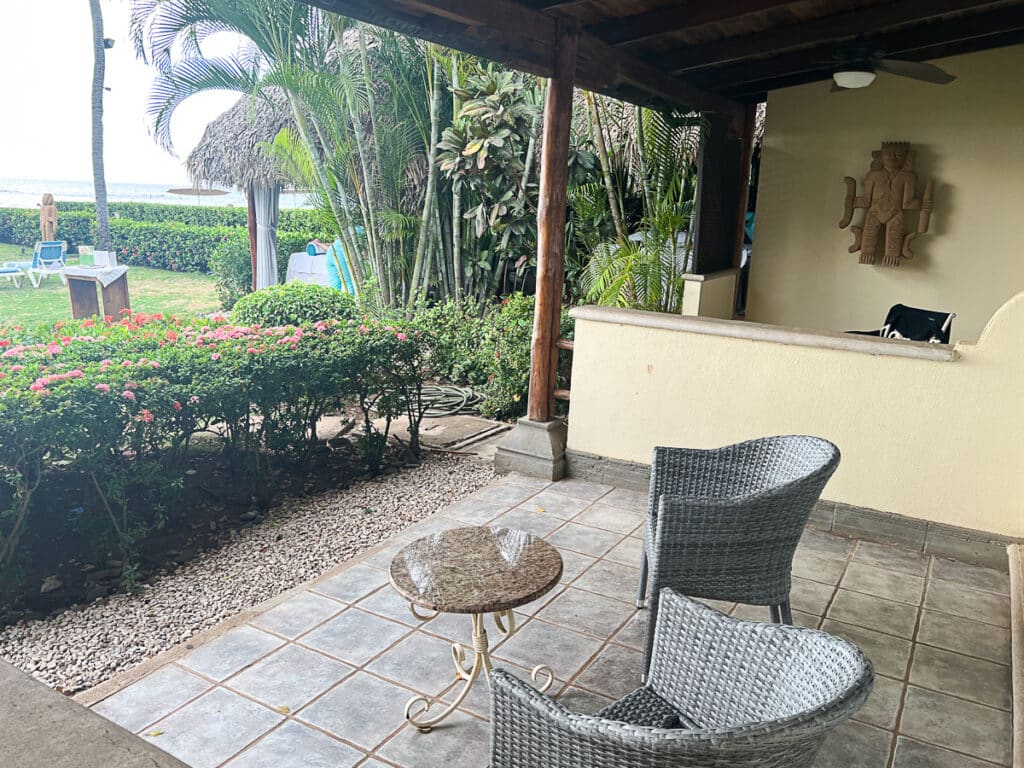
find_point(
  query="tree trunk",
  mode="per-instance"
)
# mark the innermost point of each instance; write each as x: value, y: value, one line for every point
x: 420, y: 269
x: 98, y: 174
x: 251, y: 223
x: 456, y: 195
x: 606, y: 170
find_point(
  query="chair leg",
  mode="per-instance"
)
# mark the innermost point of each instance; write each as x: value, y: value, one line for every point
x: 776, y: 613
x: 787, y: 613
x: 641, y: 593
x: 652, y: 618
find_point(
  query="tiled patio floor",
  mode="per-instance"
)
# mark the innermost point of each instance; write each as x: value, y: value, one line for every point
x: 321, y: 679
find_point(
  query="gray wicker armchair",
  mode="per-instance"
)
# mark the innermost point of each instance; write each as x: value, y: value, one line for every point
x: 723, y: 524
x: 721, y: 692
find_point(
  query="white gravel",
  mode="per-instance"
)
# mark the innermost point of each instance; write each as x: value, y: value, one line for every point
x: 300, y: 539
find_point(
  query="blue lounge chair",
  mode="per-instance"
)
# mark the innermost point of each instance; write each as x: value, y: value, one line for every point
x: 14, y: 274
x: 48, y: 258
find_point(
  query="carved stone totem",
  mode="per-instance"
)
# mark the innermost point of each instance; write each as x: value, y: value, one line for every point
x: 889, y: 190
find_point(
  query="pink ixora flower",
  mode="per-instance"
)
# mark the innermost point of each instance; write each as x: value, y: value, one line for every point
x: 76, y: 373
x: 215, y: 356
x: 130, y: 385
x: 127, y: 364
x: 128, y: 395
x: 251, y: 350
x: 193, y: 400
x: 16, y: 368
x: 103, y: 387
x: 176, y: 405
x: 401, y: 336
x: 144, y: 415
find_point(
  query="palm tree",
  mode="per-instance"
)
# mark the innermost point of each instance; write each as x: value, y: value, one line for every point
x: 100, y: 45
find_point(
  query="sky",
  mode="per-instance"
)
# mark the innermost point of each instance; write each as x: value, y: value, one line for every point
x: 46, y: 63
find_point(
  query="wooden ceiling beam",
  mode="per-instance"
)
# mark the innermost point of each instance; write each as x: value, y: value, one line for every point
x: 917, y: 44
x: 508, y: 32
x: 677, y: 18
x: 838, y: 27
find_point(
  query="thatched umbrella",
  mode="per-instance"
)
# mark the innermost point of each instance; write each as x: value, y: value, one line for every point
x: 231, y: 154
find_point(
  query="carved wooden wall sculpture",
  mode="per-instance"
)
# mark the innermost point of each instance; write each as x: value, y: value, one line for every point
x: 889, y: 191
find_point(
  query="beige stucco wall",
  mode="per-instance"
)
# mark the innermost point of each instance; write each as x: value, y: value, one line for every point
x: 970, y: 138
x: 941, y: 441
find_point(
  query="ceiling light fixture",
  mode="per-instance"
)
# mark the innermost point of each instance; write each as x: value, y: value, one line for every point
x: 854, y: 77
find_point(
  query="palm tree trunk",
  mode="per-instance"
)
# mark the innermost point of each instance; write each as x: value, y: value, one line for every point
x: 387, y: 279
x: 420, y: 270
x: 606, y: 171
x: 641, y: 150
x: 98, y: 174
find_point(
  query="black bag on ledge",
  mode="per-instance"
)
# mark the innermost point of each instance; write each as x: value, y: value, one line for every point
x: 914, y: 324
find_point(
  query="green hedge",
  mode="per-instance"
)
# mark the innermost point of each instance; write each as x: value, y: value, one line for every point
x: 293, y: 220
x: 165, y: 245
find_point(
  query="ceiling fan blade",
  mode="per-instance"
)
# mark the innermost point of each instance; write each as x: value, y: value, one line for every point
x: 915, y: 70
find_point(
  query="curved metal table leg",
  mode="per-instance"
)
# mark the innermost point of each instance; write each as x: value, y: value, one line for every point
x: 417, y: 710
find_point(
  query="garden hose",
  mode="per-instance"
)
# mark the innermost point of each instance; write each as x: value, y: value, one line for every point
x: 447, y: 400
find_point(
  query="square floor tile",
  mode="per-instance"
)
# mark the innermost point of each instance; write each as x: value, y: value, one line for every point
x: 974, y: 604
x: 959, y: 725
x: 584, y: 539
x: 634, y: 634
x: 297, y: 746
x: 290, y: 677
x: 611, y: 580
x: 826, y: 543
x: 475, y: 511
x: 388, y: 603
x: 615, y: 672
x: 855, y: 745
x: 888, y: 654
x: 626, y: 498
x: 516, y: 478
x: 914, y: 754
x: 420, y: 662
x: 298, y: 614
x: 526, y: 520
x: 973, y: 576
x: 629, y: 552
x: 809, y: 596
x: 151, y: 698
x: 587, y: 612
x: 355, y: 636
x: 808, y: 564
x: 891, y: 558
x: 573, y: 564
x: 763, y: 613
x: 555, y: 504
x: 509, y: 494
x: 231, y: 652
x: 531, y: 609
x: 460, y: 741
x: 879, y: 582
x: 352, y: 584
x: 458, y: 627
x: 212, y: 728
x: 982, y: 681
x: 862, y: 610
x: 561, y: 649
x: 609, y: 518
x: 883, y: 704
x: 364, y: 710
x: 965, y: 636
x: 580, y: 489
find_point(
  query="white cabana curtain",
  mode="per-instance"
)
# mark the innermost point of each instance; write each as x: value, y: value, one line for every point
x: 267, y: 200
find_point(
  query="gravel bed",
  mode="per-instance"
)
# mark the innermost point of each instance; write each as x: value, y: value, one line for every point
x: 298, y: 540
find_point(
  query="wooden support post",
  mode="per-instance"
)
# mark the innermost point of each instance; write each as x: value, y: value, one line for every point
x: 554, y: 179
x: 251, y: 222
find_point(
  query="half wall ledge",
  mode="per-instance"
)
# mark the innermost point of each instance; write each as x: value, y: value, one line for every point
x: 777, y: 334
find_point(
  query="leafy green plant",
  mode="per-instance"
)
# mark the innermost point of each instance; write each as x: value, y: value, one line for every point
x: 293, y: 304
x: 231, y: 265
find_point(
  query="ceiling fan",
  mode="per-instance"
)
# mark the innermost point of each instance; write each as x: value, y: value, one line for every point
x: 856, y: 67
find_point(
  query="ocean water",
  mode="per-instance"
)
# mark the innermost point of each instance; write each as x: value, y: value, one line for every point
x: 27, y: 193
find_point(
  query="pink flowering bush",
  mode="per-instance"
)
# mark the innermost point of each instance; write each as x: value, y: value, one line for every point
x: 111, y: 407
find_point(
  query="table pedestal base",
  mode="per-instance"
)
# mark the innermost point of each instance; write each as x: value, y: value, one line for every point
x: 417, y: 711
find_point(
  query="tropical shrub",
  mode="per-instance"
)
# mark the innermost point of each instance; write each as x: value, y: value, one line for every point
x: 107, y: 409
x: 294, y: 304
x: 231, y: 266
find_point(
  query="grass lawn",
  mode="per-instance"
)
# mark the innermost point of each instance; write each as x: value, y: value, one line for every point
x: 151, y: 290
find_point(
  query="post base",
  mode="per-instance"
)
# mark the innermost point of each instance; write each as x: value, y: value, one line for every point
x: 534, y: 448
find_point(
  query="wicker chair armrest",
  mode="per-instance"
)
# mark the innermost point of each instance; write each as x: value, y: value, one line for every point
x: 525, y: 724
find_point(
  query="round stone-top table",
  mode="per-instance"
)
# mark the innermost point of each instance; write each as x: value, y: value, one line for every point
x: 476, y: 571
